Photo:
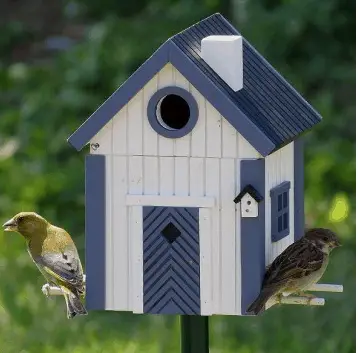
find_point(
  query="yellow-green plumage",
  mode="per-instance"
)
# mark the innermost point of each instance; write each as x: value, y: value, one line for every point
x: 55, y: 255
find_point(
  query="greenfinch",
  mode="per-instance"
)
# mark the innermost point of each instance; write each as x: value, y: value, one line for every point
x: 55, y: 255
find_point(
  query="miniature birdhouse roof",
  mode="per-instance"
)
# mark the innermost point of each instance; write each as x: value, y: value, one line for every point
x: 267, y: 111
x: 249, y: 189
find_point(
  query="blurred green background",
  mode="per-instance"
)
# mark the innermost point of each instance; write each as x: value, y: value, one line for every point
x: 59, y: 60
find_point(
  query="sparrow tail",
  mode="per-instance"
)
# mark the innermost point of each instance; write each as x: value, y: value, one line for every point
x: 74, y: 305
x: 260, y: 302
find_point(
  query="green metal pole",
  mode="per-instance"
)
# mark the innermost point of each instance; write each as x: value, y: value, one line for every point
x: 194, y: 334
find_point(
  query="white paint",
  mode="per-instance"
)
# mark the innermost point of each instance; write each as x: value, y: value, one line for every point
x: 136, y: 256
x: 212, y: 136
x: 208, y: 183
x: 212, y: 188
x: 166, y: 78
x: 279, y: 168
x: 205, y: 232
x: 196, y: 176
x: 181, y: 176
x: 150, y: 136
x: 170, y: 201
x: 249, y: 206
x: 135, y: 125
x: 295, y: 300
x: 213, y: 131
x: 120, y: 132
x: 120, y: 234
x: 321, y: 287
x: 166, y: 176
x: 223, y: 53
x: 198, y: 134
x: 228, y: 236
x: 103, y: 140
x: 181, y: 145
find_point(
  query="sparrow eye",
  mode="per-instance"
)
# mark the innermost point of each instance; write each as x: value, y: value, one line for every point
x: 325, y: 238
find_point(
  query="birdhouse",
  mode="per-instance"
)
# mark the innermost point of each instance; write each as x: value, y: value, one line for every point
x: 194, y: 177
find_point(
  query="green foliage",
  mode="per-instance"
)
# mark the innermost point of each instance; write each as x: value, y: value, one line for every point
x: 42, y: 102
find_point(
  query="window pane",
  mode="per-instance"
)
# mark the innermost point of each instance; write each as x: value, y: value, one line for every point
x: 279, y: 202
x: 285, y: 221
x: 279, y: 221
x: 285, y: 198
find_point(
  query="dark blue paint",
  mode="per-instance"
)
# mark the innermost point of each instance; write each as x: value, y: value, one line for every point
x: 171, y: 271
x: 252, y: 235
x: 95, y: 230
x: 225, y: 106
x: 268, y: 111
x: 299, y: 204
x: 279, y: 190
x: 152, y: 115
x: 267, y: 99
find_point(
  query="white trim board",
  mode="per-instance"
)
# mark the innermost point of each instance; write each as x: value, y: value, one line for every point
x: 174, y: 201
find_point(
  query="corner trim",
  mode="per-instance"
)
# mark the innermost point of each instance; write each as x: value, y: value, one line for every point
x: 95, y: 230
x: 252, y: 235
x: 299, y: 192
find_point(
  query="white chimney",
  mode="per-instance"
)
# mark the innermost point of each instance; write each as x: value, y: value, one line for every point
x: 224, y: 55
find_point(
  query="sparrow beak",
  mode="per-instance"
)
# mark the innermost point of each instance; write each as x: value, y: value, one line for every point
x: 336, y: 244
x: 10, y: 225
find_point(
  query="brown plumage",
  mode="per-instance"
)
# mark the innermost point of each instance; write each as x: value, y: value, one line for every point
x: 55, y: 255
x: 298, y: 267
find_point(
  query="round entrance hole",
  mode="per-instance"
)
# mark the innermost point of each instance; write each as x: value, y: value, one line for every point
x: 173, y: 112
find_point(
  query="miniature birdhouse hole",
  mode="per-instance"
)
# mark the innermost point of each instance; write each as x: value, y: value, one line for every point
x: 249, y: 206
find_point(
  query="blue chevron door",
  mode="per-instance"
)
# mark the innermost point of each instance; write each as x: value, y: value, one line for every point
x: 171, y: 260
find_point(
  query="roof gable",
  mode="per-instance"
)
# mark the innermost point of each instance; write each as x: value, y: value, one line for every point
x: 267, y: 112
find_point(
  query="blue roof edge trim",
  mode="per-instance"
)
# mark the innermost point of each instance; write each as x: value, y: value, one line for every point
x: 120, y: 97
x: 220, y: 101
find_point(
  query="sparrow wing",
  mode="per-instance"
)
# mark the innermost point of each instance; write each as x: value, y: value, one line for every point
x: 300, y: 259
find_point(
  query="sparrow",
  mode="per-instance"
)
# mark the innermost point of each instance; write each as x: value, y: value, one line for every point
x: 55, y: 255
x: 298, y: 267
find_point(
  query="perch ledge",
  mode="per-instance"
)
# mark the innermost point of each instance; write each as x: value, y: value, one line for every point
x: 336, y: 288
x: 53, y: 290
x: 298, y: 300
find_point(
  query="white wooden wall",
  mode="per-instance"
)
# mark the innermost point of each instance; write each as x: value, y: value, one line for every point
x: 141, y: 162
x: 279, y: 168
x: 175, y: 176
x: 129, y: 133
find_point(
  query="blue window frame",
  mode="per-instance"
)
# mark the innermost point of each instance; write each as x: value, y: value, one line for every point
x: 172, y: 112
x: 280, y: 211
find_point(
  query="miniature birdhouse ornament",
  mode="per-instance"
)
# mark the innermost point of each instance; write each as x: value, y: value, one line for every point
x: 194, y: 177
x: 249, y: 199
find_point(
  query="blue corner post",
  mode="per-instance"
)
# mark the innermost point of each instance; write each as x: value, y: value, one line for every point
x: 194, y: 334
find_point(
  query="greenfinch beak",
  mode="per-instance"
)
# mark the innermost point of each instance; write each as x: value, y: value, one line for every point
x: 10, y: 225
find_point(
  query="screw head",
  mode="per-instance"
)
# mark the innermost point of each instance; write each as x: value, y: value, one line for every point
x: 95, y: 146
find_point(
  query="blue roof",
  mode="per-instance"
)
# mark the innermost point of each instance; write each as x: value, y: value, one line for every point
x: 267, y: 111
